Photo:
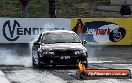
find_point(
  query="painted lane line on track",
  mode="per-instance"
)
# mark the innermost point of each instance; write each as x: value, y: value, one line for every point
x: 3, y: 79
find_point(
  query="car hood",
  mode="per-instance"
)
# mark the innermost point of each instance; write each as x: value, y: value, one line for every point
x: 63, y: 46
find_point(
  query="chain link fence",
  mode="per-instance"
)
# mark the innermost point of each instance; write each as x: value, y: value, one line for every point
x: 80, y: 8
x: 36, y: 8
x: 9, y: 8
x: 64, y: 8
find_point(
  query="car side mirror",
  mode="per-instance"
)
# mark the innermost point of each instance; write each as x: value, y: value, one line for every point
x: 36, y: 44
x: 84, y: 42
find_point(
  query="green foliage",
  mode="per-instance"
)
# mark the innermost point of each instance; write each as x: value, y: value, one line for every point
x: 64, y: 8
x: 9, y: 8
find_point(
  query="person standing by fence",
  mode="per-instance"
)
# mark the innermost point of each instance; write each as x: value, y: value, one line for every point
x: 125, y: 10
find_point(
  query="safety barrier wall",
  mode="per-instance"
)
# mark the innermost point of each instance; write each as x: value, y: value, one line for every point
x: 97, y: 31
x: 104, y: 31
x: 26, y: 30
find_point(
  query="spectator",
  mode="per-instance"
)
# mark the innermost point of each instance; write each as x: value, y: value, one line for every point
x: 80, y: 29
x: 125, y: 10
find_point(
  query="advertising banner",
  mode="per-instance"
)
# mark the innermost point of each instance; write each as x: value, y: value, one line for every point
x: 25, y: 30
x: 107, y: 31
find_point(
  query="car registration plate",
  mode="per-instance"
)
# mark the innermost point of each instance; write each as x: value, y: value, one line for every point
x: 65, y: 57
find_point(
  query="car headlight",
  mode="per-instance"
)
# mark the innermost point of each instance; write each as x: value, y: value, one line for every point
x: 40, y: 50
x: 48, y: 52
x: 45, y: 52
x: 78, y: 52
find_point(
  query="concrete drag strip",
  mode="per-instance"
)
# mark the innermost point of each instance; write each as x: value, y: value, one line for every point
x: 18, y: 74
x: 99, y: 61
x: 33, y: 76
x: 3, y: 79
x: 107, y: 80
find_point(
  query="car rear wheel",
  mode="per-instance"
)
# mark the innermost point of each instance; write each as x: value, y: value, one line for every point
x: 33, y: 62
x: 39, y: 64
x: 33, y: 59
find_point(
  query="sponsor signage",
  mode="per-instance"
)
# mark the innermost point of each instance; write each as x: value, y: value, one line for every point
x: 103, y: 31
x: 97, y: 31
x: 26, y: 30
x: 84, y: 73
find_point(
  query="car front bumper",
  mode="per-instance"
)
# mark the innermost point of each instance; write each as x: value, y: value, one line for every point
x: 62, y: 60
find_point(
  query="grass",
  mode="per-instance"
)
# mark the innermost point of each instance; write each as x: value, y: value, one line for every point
x: 64, y: 8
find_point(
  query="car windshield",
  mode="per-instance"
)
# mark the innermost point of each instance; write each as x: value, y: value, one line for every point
x: 50, y: 38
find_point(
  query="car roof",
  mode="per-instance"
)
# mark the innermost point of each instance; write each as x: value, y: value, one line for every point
x: 58, y: 31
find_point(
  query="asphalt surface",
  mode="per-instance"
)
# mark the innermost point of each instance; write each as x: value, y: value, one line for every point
x: 15, y: 63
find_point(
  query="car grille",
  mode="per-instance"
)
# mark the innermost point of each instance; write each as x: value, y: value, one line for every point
x: 64, y: 52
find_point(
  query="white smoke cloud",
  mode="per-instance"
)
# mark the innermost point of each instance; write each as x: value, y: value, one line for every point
x: 9, y: 56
